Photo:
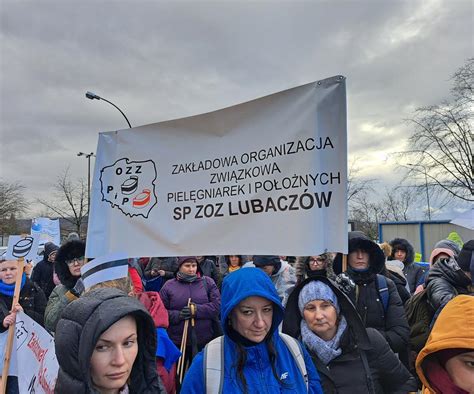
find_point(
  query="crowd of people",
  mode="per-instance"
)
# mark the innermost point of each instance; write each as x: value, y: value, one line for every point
x: 373, y: 321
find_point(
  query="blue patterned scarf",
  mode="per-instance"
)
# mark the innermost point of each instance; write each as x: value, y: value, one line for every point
x: 8, y: 290
x: 325, y: 350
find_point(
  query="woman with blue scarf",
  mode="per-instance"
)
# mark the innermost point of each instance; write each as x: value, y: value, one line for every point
x: 32, y: 301
x: 349, y: 357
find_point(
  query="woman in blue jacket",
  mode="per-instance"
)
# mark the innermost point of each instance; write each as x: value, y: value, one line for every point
x: 252, y: 356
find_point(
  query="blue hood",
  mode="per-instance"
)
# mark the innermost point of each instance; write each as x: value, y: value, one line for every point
x: 245, y: 283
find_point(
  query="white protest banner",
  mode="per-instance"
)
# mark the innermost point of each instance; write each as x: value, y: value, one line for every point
x: 34, y: 361
x: 264, y: 177
x: 22, y: 246
x: 48, y: 230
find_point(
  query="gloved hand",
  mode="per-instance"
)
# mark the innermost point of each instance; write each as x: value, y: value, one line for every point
x: 185, y: 313
x: 345, y: 283
x: 193, y: 308
x: 78, y: 289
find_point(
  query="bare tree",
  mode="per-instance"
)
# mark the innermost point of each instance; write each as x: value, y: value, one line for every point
x: 357, y: 185
x: 69, y: 200
x: 442, y: 141
x: 463, y: 82
x: 398, y: 201
x: 367, y: 214
x: 12, y: 204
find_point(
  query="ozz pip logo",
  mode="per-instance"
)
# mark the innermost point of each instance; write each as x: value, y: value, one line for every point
x: 130, y: 186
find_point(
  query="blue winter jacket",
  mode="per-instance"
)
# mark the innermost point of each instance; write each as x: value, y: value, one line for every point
x: 258, y: 372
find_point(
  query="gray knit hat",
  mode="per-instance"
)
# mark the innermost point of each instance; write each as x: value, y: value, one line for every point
x: 316, y: 290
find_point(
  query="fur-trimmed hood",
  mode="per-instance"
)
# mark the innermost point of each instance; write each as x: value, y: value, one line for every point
x: 358, y: 240
x: 70, y: 250
x: 403, y: 244
x: 302, y: 266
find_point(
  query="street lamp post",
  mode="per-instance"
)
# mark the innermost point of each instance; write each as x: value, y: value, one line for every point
x: 88, y: 157
x: 426, y: 187
x: 93, y: 96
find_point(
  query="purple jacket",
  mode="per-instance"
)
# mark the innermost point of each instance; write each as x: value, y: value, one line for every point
x: 175, y: 295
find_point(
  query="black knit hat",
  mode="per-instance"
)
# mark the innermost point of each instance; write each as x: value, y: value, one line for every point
x: 262, y: 261
x: 183, y: 259
x: 466, y: 257
x: 49, y: 248
x: 448, y: 244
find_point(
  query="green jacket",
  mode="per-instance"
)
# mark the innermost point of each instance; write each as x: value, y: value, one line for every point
x: 58, y: 300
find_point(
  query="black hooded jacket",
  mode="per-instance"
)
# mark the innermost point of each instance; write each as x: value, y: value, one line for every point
x: 82, y: 323
x: 392, y: 323
x: 347, y: 374
x: 445, y: 281
x: 413, y: 272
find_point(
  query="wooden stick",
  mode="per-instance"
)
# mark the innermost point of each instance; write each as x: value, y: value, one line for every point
x: 181, y: 372
x: 11, y: 328
x: 183, y: 348
x: 344, y: 262
x: 180, y: 368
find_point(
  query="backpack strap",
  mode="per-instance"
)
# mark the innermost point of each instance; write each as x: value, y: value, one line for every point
x: 295, y: 349
x: 213, y: 366
x: 383, y: 291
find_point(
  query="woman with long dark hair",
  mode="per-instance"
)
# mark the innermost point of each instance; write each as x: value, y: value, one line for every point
x: 252, y: 356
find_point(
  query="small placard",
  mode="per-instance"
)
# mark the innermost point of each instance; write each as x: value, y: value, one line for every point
x: 22, y: 246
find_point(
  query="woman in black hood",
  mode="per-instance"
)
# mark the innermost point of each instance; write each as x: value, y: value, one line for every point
x: 105, y: 343
x: 69, y: 260
x: 403, y: 251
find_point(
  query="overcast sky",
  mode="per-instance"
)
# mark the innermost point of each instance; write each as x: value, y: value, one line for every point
x: 163, y: 60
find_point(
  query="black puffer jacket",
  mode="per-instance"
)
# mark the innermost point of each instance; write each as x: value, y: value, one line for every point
x: 392, y: 323
x: 347, y: 374
x: 445, y: 281
x: 32, y: 300
x: 82, y: 323
x: 43, y: 276
x: 413, y: 272
x: 43, y: 272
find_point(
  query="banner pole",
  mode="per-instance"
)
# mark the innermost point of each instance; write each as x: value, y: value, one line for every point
x: 344, y: 262
x: 11, y: 328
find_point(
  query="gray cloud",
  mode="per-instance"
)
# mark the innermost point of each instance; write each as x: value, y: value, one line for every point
x: 162, y: 60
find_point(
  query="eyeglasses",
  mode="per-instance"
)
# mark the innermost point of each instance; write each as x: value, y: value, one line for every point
x: 317, y: 260
x: 75, y: 260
